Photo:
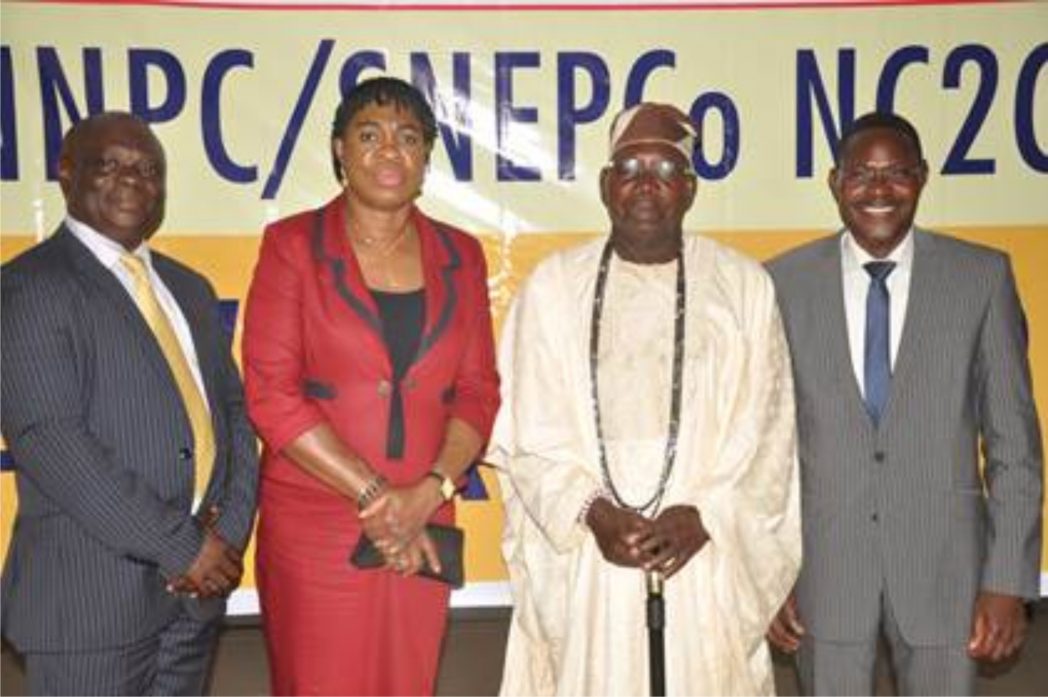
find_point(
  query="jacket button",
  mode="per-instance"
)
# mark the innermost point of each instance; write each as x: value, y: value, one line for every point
x: 384, y: 388
x: 874, y: 517
x: 185, y: 454
x: 879, y: 456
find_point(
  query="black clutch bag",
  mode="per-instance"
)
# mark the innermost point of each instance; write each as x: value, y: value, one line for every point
x: 448, y: 540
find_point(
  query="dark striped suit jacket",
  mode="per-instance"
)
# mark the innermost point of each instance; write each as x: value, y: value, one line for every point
x: 103, y: 451
x: 903, y: 508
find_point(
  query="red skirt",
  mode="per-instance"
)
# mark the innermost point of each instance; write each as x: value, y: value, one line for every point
x: 332, y: 629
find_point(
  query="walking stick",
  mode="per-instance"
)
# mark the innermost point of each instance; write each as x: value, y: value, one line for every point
x: 656, y: 640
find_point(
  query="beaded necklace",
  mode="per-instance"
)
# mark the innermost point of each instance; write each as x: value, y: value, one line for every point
x: 655, y: 501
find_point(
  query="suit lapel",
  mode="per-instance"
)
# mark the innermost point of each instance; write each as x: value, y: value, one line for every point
x: 197, y: 318
x: 333, y: 253
x: 924, y: 280
x: 440, y: 262
x: 831, y: 319
x: 91, y: 270
x: 139, y: 333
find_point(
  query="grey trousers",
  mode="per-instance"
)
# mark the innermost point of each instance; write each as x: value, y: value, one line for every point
x: 834, y: 668
x: 174, y: 662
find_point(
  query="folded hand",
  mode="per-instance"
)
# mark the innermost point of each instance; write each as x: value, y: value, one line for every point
x: 399, y: 515
x: 675, y: 536
x: 619, y: 532
x: 419, y: 551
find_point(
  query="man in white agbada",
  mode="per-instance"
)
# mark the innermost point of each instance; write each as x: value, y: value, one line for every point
x: 597, y: 493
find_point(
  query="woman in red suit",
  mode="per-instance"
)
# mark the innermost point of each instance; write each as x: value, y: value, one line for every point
x: 370, y: 376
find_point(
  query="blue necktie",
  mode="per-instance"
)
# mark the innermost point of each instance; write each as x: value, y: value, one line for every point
x: 877, y: 365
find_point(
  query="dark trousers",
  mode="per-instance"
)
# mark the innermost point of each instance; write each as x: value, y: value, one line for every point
x: 174, y: 662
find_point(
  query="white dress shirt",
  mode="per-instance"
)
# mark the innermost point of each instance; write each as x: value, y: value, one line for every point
x: 856, y: 285
x: 108, y: 254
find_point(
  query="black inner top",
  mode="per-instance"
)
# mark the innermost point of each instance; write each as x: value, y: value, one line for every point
x: 403, y: 318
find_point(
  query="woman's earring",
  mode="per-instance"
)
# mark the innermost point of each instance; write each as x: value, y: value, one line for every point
x: 344, y: 171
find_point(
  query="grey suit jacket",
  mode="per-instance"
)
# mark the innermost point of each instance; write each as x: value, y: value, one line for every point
x: 903, y: 508
x: 103, y: 451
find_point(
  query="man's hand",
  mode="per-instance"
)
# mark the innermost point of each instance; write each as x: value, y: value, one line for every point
x: 786, y: 630
x: 619, y: 532
x: 998, y: 627
x: 676, y: 535
x: 217, y: 567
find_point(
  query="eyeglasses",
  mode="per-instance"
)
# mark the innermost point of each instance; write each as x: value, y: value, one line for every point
x: 893, y: 174
x: 632, y: 168
x: 110, y: 166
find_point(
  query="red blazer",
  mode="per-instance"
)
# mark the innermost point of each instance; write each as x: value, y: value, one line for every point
x: 313, y: 348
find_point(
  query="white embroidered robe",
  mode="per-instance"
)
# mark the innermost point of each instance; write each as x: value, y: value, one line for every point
x: 578, y: 625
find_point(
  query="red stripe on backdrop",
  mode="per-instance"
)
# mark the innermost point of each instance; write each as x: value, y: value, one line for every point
x: 536, y: 5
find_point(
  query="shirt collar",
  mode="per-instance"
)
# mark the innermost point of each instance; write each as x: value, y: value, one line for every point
x: 855, y: 257
x: 105, y: 250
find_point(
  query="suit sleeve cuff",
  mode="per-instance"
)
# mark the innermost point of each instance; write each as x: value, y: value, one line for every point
x: 177, y: 553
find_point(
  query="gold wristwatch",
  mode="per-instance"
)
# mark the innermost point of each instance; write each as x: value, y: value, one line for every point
x: 447, y: 486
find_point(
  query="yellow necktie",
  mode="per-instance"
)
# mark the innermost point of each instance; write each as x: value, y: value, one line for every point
x: 196, y: 409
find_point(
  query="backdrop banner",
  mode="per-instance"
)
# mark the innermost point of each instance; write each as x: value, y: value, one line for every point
x: 242, y: 96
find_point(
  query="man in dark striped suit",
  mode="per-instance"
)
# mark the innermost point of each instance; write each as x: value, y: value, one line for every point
x: 119, y: 394
x: 909, y: 351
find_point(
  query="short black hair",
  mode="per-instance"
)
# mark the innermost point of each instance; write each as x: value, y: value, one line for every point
x: 874, y: 120
x: 382, y: 91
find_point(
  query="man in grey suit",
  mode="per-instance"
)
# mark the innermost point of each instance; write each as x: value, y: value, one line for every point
x: 909, y: 352
x: 119, y: 391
